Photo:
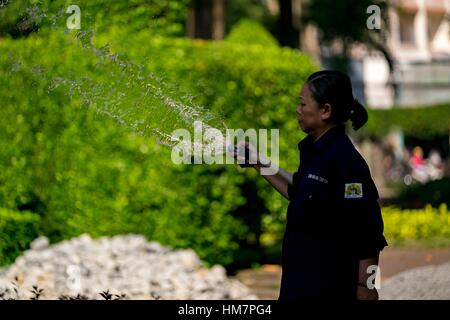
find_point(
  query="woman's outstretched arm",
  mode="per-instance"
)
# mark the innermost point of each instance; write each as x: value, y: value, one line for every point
x: 280, y: 179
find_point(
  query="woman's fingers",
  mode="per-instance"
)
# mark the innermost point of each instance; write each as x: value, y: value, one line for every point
x: 231, y: 150
x: 243, y: 152
x: 242, y: 144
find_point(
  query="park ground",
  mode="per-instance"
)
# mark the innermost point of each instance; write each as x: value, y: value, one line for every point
x: 265, y: 280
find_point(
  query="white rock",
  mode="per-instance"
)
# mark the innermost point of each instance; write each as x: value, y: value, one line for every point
x: 122, y: 264
x: 39, y: 243
x: 423, y: 283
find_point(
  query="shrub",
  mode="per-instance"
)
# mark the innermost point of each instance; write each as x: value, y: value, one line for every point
x: 417, y: 196
x: 165, y: 17
x: 425, y: 122
x: 84, y: 173
x: 251, y: 86
x: 17, y: 231
x: 422, y: 224
x: 251, y: 32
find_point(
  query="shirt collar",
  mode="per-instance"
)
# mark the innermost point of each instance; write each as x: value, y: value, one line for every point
x: 322, y: 142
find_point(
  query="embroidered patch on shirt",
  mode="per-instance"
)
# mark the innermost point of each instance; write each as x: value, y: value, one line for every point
x: 353, y: 190
x: 314, y: 177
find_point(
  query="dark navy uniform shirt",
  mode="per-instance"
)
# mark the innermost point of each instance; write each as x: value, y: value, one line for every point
x: 333, y: 220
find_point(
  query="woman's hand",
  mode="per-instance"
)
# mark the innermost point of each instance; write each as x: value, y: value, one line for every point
x: 246, y: 155
x: 363, y: 292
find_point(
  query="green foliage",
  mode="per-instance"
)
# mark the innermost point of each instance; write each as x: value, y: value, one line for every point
x: 420, y: 122
x: 165, y: 17
x: 17, y: 230
x: 342, y: 19
x: 402, y: 226
x: 255, y: 10
x: 253, y: 87
x: 83, y: 172
x: 433, y: 193
x: 251, y: 32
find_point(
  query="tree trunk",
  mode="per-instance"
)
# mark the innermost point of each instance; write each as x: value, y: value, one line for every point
x: 206, y: 19
x: 286, y: 33
x: 218, y: 21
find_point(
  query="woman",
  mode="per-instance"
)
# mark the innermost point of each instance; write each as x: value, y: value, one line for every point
x: 334, y: 229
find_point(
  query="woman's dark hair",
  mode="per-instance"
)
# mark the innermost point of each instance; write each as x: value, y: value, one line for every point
x: 335, y: 88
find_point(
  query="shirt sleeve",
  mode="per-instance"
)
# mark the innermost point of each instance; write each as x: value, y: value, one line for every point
x: 358, y: 199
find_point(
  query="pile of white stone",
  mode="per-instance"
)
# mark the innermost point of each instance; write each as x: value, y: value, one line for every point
x: 423, y: 283
x: 123, y: 265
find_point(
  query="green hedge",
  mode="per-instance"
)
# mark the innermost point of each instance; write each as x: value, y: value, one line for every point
x: 424, y: 122
x: 252, y: 86
x: 407, y: 226
x: 433, y: 193
x: 17, y: 231
x: 83, y: 172
x: 165, y: 17
x: 251, y: 32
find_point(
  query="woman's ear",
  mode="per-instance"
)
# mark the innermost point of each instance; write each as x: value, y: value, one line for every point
x: 326, y: 111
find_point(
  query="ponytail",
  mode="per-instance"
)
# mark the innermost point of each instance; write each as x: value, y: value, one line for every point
x: 358, y: 115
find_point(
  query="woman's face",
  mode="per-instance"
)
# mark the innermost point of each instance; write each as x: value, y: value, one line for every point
x: 310, y: 115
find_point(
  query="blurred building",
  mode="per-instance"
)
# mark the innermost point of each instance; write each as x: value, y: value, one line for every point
x: 419, y: 42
